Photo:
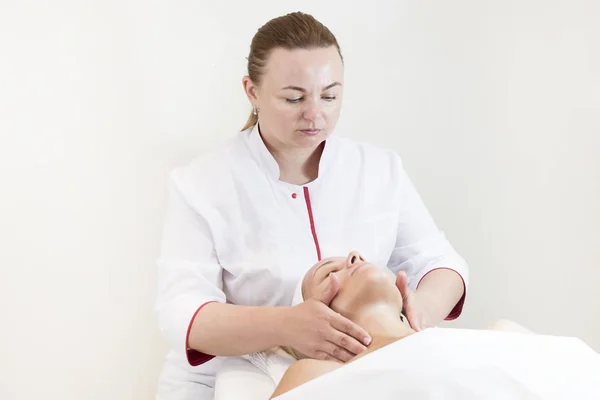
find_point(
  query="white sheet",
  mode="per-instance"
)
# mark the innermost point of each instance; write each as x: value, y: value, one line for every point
x: 465, y: 364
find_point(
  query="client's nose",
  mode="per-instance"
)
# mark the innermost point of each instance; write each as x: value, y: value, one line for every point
x: 354, y: 257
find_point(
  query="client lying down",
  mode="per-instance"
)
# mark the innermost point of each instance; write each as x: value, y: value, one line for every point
x: 367, y: 295
x: 447, y: 363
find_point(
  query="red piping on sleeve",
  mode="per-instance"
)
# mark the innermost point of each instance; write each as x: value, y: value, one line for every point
x: 195, y: 357
x: 312, y: 222
x: 457, y: 310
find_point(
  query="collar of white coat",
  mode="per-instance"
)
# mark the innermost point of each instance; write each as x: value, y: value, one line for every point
x: 268, y: 163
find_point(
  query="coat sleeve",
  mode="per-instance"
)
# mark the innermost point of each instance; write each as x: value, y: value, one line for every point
x: 189, y: 275
x: 420, y: 246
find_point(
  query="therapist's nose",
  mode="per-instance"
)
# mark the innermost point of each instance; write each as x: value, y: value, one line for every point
x: 311, y: 112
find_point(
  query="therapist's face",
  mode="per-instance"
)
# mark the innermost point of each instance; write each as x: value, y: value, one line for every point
x: 361, y: 285
x: 299, y: 97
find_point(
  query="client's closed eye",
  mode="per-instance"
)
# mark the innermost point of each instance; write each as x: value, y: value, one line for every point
x: 331, y: 271
x: 319, y: 268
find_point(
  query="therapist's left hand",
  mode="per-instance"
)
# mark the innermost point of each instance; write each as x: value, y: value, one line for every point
x: 412, y: 307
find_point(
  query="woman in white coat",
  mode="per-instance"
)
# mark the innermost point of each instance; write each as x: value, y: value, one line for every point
x: 246, y: 221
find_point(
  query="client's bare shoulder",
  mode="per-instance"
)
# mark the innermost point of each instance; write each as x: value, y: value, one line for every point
x: 303, y: 371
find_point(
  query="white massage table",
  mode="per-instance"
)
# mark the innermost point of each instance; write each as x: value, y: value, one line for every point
x: 444, y: 364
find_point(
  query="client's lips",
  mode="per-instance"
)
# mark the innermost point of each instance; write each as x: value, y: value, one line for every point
x: 357, y: 267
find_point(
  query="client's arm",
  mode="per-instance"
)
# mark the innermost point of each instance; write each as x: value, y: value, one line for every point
x: 303, y: 371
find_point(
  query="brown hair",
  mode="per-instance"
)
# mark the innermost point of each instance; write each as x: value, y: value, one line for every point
x: 292, y: 31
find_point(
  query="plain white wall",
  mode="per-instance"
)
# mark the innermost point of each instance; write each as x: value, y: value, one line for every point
x: 494, y: 107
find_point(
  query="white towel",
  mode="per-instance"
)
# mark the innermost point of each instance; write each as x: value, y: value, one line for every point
x: 273, y: 362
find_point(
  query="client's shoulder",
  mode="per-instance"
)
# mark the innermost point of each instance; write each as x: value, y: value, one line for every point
x: 303, y: 371
x: 309, y: 367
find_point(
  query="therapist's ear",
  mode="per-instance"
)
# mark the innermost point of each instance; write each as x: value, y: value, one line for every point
x: 250, y: 89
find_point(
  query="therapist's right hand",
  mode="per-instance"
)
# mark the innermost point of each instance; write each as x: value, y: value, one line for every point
x: 319, y: 332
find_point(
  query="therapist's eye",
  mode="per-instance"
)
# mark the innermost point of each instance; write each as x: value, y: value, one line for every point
x: 294, y: 101
x: 329, y: 98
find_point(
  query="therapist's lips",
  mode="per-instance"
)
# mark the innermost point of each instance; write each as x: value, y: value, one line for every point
x: 310, y: 132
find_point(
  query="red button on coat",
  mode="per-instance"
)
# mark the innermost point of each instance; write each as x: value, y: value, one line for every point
x: 294, y: 195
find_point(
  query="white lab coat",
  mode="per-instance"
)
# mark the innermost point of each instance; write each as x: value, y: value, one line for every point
x: 234, y: 233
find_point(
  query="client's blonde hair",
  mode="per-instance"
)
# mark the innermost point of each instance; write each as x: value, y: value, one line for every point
x: 292, y: 352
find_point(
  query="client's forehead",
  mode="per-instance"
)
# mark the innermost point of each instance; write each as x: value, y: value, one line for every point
x: 327, y: 261
x: 331, y: 259
x: 323, y: 263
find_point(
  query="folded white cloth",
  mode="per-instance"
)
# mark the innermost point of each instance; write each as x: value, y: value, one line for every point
x: 273, y: 362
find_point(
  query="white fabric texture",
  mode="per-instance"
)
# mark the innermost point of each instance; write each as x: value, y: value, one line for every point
x: 260, y: 373
x: 233, y: 232
x: 298, y: 298
x: 238, y: 379
x: 272, y: 363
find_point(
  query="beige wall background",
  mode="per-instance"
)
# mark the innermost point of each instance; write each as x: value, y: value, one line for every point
x: 494, y: 106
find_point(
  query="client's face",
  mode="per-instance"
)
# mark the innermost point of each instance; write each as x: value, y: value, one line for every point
x: 361, y: 285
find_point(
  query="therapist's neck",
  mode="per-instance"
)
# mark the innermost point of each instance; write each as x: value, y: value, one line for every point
x: 297, y: 166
